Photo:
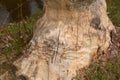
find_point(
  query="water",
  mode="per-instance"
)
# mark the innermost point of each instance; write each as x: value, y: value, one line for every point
x: 10, y: 12
x: 4, y: 16
x: 33, y: 7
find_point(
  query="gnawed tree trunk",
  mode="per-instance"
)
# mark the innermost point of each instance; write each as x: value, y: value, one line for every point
x: 67, y: 38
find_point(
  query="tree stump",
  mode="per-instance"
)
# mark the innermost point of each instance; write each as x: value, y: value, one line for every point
x: 67, y: 38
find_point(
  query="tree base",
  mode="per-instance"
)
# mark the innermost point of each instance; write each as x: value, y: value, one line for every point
x: 62, y: 45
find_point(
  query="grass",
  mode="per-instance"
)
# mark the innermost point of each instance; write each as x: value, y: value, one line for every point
x: 114, y: 11
x: 109, y: 71
x: 15, y: 36
x: 100, y: 70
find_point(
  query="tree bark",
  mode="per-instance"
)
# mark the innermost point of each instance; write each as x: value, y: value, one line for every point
x: 67, y: 38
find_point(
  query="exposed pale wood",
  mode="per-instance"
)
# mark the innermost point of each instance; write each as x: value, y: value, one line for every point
x: 67, y: 38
